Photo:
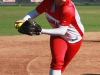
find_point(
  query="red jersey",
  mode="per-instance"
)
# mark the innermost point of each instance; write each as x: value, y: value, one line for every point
x: 65, y: 15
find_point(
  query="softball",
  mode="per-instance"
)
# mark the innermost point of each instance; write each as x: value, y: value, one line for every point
x: 19, y: 25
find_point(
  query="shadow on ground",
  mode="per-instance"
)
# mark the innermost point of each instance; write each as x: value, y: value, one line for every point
x: 91, y: 74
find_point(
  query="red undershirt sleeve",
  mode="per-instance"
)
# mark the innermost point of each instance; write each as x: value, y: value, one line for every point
x: 41, y: 7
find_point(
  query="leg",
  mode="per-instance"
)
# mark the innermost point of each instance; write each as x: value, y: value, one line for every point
x: 58, y: 50
x: 72, y: 50
x: 55, y: 72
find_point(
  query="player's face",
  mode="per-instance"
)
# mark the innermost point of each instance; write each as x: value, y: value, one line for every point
x: 59, y: 2
x: 63, y: 0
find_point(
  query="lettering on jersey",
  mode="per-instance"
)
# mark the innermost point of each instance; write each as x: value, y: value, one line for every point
x: 53, y: 23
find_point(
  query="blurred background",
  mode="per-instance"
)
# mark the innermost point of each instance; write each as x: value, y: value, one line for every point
x: 34, y: 2
x: 13, y: 10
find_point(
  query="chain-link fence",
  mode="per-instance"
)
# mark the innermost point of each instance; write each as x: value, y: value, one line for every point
x: 35, y: 2
x: 86, y: 2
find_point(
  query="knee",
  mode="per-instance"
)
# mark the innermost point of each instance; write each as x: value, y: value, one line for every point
x: 57, y: 64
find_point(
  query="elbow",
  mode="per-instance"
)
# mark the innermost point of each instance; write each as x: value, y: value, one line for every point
x: 63, y: 30
x: 62, y: 33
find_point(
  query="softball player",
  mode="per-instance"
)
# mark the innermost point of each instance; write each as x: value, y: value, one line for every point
x: 66, y: 34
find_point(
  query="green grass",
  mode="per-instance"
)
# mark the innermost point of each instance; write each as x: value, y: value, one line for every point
x: 90, y: 17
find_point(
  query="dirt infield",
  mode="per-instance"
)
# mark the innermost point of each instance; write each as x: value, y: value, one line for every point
x: 24, y: 55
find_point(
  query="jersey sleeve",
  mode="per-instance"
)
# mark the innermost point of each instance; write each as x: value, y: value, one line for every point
x: 67, y: 16
x: 41, y: 7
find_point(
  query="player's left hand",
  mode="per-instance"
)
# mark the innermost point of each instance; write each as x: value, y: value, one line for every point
x: 29, y: 27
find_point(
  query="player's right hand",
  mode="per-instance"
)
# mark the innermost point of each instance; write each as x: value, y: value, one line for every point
x: 19, y: 21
